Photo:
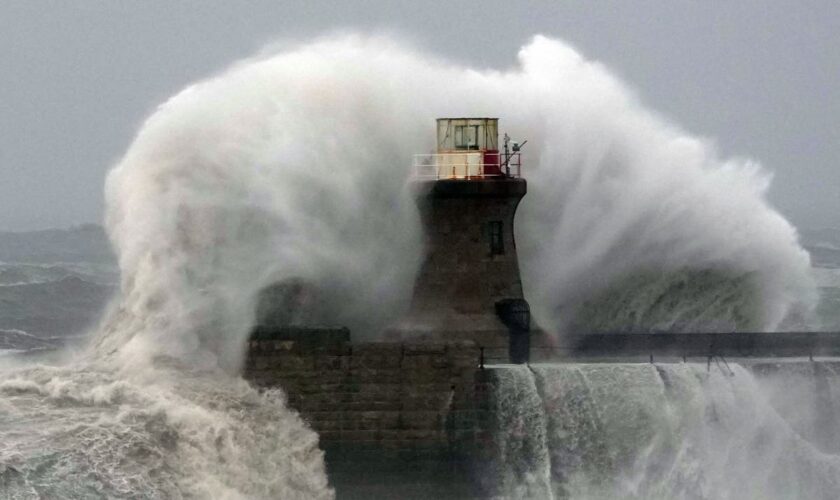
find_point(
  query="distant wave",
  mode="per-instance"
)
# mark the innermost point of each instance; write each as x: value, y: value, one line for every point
x: 21, y: 341
x: 16, y: 332
x: 68, y: 306
x: 11, y: 352
x: 23, y: 274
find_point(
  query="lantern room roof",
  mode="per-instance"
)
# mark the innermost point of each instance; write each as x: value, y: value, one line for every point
x: 468, y: 118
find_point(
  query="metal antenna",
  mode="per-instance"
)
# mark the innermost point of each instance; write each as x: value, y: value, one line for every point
x: 516, y: 149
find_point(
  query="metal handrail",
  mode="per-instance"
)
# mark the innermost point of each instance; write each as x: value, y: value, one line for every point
x: 458, y: 166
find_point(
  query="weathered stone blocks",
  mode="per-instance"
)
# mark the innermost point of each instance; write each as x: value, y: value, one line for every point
x: 398, y: 396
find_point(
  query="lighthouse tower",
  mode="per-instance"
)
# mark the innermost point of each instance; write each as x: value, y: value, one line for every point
x: 469, y: 287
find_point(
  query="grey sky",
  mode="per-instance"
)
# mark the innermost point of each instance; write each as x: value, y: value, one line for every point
x: 77, y: 78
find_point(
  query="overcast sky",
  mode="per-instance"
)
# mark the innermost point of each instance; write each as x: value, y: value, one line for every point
x: 78, y: 77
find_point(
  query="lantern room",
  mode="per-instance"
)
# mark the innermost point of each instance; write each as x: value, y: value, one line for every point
x: 467, y: 149
x: 467, y: 134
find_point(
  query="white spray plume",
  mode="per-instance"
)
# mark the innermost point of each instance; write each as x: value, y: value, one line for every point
x: 294, y: 165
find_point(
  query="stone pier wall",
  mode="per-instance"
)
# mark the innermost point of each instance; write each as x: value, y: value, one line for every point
x: 399, y: 412
x: 379, y: 395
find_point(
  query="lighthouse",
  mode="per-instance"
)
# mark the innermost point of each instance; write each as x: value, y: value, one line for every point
x: 469, y: 286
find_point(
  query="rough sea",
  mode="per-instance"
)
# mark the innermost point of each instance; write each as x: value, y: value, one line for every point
x: 293, y: 164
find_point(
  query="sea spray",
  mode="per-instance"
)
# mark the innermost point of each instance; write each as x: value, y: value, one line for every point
x: 522, y: 467
x: 619, y: 193
x: 293, y: 166
x: 665, y: 431
x: 807, y: 395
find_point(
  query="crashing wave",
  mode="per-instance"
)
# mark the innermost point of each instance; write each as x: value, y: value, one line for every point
x: 293, y: 166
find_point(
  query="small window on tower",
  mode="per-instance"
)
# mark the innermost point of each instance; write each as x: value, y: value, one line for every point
x: 497, y: 241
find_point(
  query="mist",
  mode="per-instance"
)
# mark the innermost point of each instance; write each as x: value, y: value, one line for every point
x: 294, y: 165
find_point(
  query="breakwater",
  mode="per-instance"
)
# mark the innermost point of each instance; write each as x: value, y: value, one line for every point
x: 689, y: 345
x: 427, y: 420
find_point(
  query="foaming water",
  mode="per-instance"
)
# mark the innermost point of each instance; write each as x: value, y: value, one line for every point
x: 524, y: 464
x: 293, y: 166
x: 670, y: 431
x: 88, y: 432
x: 687, y: 301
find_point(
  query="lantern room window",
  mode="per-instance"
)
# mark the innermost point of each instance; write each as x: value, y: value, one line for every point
x: 466, y: 137
x: 467, y: 134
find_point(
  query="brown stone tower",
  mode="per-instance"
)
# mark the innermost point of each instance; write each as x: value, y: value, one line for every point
x: 469, y: 285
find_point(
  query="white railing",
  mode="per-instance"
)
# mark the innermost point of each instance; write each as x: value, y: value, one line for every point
x: 467, y: 165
